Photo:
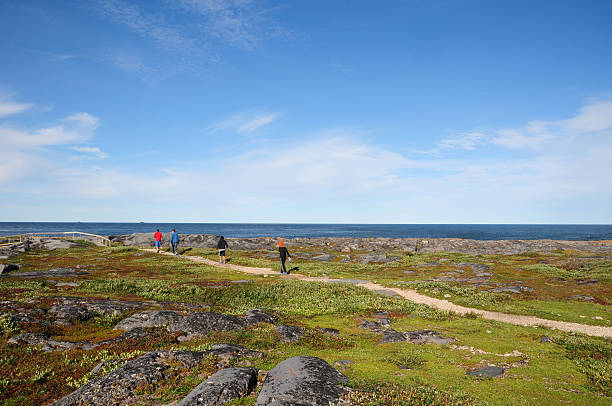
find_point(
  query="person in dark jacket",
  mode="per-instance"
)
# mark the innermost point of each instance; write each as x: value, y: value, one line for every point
x: 284, y: 253
x: 222, y: 246
x: 174, y: 240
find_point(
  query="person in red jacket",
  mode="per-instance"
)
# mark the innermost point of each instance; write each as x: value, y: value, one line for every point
x: 158, y: 237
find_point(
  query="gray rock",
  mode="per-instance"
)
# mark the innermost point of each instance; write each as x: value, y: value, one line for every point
x: 255, y: 316
x: 51, y: 273
x: 488, y: 371
x: 427, y: 336
x: 201, y: 323
x: 582, y: 297
x: 118, y: 386
x: 148, y: 318
x: 222, y: 387
x: 545, y: 339
x: 70, y: 313
x: 371, y: 325
x: 5, y: 268
x: 409, y: 272
x: 47, y: 344
x: 290, y: 334
x: 323, y: 258
x: 331, y: 331
x: 302, y: 380
x: 392, y: 336
x: 52, y: 245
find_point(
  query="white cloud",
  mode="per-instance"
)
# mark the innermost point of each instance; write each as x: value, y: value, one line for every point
x: 8, y: 108
x: 592, y: 118
x: 244, y: 123
x: 467, y: 141
x: 258, y: 122
x: 25, y: 153
x: 95, y: 151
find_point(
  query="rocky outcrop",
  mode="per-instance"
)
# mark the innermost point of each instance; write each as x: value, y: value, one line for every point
x: 201, y: 323
x: 290, y: 334
x: 118, y: 386
x: 224, y: 386
x: 379, y: 245
x: 6, y: 268
x: 51, y: 273
x: 149, y: 318
x: 302, y: 381
x: 490, y: 371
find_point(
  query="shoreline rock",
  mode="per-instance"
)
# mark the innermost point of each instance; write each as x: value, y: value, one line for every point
x: 345, y: 244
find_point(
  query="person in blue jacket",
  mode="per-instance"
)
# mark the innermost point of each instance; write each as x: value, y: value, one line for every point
x: 174, y: 240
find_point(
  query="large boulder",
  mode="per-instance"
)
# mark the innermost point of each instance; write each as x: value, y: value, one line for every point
x: 222, y: 387
x: 302, y: 380
x: 201, y: 323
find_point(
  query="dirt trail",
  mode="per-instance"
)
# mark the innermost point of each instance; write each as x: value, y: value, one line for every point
x: 416, y: 297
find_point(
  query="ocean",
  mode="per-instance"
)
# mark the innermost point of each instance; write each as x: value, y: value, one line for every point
x: 576, y: 232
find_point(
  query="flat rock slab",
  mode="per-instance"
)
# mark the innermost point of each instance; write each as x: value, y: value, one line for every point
x: 148, y: 318
x: 5, y: 268
x: 66, y: 313
x: 201, y: 323
x: 47, y: 344
x: 222, y: 387
x: 51, y: 273
x: 427, y: 337
x: 302, y: 380
x: 491, y: 371
x: 351, y: 281
x: 290, y: 334
x: 118, y: 387
x: 255, y: 316
x: 582, y: 297
x: 323, y: 258
x: 330, y: 331
x: 512, y: 289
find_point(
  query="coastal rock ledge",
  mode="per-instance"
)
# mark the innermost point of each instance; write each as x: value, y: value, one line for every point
x: 420, y: 245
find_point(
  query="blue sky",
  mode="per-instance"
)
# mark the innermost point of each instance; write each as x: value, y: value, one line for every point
x: 415, y: 111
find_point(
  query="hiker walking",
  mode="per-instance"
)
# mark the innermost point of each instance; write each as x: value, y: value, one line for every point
x: 222, y: 246
x: 284, y: 253
x: 158, y: 237
x: 174, y: 240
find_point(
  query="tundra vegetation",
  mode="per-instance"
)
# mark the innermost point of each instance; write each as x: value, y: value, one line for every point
x: 540, y: 366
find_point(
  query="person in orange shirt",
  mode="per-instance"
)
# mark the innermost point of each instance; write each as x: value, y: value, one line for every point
x: 158, y: 237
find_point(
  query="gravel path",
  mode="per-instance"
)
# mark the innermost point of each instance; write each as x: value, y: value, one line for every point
x: 416, y: 297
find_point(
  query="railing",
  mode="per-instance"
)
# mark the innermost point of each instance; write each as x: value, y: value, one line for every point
x: 9, y: 240
x: 67, y: 235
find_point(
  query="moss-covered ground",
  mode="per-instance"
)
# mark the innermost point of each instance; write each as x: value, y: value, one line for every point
x: 571, y: 369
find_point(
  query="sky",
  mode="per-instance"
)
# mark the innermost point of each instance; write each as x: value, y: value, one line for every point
x: 356, y: 111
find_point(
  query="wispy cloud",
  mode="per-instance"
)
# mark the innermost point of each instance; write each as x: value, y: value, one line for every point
x: 146, y: 24
x: 191, y: 26
x: 94, y: 151
x: 8, y: 108
x: 244, y: 123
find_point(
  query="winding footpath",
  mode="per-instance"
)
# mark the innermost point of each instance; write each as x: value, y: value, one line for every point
x: 414, y: 296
